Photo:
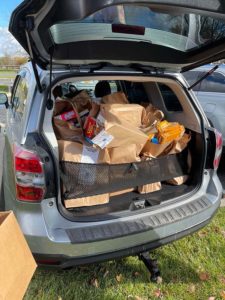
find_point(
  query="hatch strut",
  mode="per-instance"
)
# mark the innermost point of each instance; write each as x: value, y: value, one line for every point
x: 33, y: 63
x: 203, y: 77
x: 50, y: 102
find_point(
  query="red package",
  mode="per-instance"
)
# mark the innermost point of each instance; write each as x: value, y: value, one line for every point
x: 89, y: 128
x: 67, y: 115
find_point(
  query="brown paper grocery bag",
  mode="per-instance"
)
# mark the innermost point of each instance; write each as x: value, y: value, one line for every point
x: 64, y: 132
x: 124, y: 154
x: 87, y: 201
x: 82, y: 101
x: 178, y: 180
x: 78, y: 152
x: 62, y: 128
x: 125, y: 135
x: 151, y: 115
x: 117, y: 193
x: 156, y: 150
x: 149, y: 188
x: 131, y: 113
x: 181, y: 144
x: 16, y: 261
x: 118, y: 97
x: 81, y: 153
x: 182, y: 179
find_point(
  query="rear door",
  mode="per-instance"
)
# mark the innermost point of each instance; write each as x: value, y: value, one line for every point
x: 173, y: 35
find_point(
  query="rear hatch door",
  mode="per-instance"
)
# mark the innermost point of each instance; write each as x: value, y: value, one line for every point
x: 174, y: 35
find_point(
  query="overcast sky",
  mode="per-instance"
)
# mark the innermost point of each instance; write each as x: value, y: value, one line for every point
x: 7, y: 43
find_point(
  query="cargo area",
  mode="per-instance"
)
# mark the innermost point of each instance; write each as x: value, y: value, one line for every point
x: 123, y: 144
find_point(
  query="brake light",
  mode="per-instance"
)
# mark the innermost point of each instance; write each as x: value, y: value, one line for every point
x: 26, y: 161
x: 29, y: 193
x: 219, y: 148
x: 29, y: 173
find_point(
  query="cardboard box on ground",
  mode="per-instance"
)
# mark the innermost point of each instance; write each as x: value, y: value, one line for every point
x: 121, y: 133
x: 16, y: 260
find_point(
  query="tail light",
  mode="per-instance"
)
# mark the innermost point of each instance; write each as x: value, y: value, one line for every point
x: 219, y: 148
x: 29, y: 173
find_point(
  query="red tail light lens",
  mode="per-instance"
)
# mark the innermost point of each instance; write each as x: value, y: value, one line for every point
x: 219, y: 148
x: 29, y: 173
x: 26, y: 161
x: 29, y: 193
x: 219, y: 139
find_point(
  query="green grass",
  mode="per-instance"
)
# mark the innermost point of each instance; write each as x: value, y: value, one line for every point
x: 5, y: 71
x: 4, y: 89
x: 181, y: 264
x: 7, y: 74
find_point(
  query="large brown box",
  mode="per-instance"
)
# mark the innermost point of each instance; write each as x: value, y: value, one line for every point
x: 16, y: 261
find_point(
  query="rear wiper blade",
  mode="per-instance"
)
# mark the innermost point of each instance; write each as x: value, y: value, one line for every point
x: 203, y: 77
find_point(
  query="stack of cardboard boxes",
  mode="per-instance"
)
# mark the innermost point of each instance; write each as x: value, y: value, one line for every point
x: 109, y: 130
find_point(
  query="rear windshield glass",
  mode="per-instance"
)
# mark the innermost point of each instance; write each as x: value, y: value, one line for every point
x: 183, y: 32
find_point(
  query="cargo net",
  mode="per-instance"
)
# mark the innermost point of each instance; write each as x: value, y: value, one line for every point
x: 82, y: 180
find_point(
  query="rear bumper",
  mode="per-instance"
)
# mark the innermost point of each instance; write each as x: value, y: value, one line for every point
x: 65, y: 243
x: 63, y: 261
x: 90, y: 242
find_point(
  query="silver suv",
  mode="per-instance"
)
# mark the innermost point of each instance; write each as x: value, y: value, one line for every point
x: 210, y: 93
x: 140, y: 46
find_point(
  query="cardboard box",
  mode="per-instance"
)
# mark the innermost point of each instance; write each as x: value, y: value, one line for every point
x: 149, y: 188
x: 118, y: 97
x: 16, y: 261
x: 87, y: 201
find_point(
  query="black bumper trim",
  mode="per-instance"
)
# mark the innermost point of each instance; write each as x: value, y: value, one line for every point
x: 137, y: 225
x: 63, y: 262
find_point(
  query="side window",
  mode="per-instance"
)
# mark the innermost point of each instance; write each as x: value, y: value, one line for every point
x: 170, y: 99
x: 19, y: 97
